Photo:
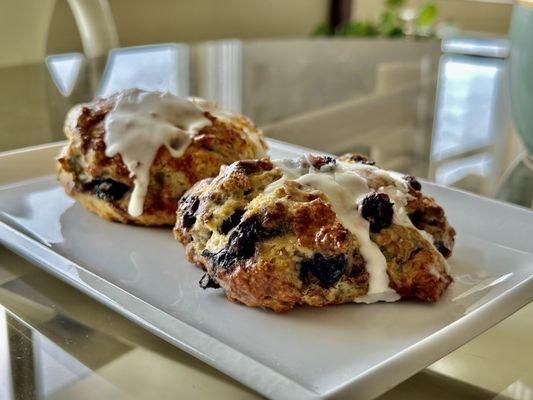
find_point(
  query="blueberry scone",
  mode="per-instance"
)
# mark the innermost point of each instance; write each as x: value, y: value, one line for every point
x: 315, y: 231
x: 131, y: 156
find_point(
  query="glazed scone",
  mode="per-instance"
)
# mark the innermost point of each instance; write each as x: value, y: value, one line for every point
x: 131, y: 156
x: 315, y: 231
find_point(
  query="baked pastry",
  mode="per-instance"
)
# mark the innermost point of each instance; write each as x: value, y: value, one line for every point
x: 315, y: 231
x: 131, y: 156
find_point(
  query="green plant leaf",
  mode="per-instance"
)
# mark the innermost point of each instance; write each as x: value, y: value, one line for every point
x: 427, y: 13
x: 322, y: 30
x: 357, y: 29
x: 390, y: 24
x: 395, y: 3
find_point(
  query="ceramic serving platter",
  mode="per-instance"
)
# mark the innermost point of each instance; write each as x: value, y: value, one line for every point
x: 351, y: 351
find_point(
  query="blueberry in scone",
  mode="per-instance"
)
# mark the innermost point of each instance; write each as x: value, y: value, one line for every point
x: 130, y: 157
x: 315, y: 231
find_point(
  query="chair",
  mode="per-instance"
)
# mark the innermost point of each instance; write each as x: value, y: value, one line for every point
x: 472, y: 123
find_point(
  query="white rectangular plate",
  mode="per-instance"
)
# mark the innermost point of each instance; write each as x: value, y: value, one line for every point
x: 351, y: 351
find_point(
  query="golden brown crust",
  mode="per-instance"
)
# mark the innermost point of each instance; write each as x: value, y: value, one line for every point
x: 83, y: 163
x: 271, y: 250
x: 427, y: 215
x: 415, y: 269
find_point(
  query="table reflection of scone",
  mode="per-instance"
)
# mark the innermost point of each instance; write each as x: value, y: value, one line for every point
x: 130, y: 157
x: 315, y: 231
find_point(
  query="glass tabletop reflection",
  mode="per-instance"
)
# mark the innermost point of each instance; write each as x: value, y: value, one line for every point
x: 57, y: 343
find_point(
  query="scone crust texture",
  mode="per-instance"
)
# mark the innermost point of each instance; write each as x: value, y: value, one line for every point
x: 285, y: 248
x: 103, y: 184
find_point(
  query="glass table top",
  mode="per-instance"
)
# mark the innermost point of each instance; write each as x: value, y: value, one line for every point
x: 332, y: 95
x: 57, y: 343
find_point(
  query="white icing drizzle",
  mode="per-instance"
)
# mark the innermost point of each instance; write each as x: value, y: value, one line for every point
x: 398, y: 193
x: 139, y: 124
x: 345, y: 186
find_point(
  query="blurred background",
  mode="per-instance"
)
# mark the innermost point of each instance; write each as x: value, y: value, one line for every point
x: 417, y: 85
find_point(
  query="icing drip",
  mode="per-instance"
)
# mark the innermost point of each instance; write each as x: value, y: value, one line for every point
x: 139, y: 124
x: 345, y: 185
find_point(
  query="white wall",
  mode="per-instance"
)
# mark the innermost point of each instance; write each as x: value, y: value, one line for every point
x: 32, y: 28
x: 23, y: 29
x: 147, y: 22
